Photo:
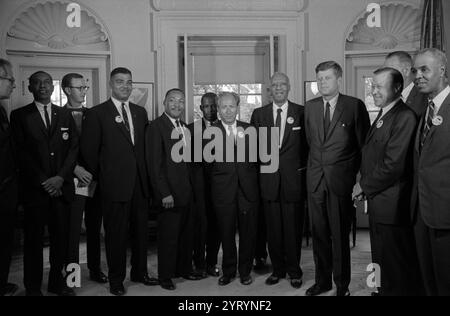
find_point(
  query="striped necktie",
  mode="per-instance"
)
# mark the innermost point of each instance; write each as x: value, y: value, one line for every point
x: 428, y: 123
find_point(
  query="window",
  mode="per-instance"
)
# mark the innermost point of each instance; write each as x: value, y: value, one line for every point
x: 368, y: 99
x: 251, y: 97
x: 58, y: 97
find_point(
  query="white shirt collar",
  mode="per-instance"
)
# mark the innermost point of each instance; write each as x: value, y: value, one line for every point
x: 118, y: 103
x: 440, y: 98
x: 174, y: 121
x: 407, y: 91
x: 386, y: 109
x: 234, y: 126
x: 333, y: 102
x: 41, y: 106
x: 284, y: 107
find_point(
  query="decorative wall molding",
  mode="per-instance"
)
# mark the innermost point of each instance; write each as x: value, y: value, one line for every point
x: 229, y: 5
x: 400, y: 25
x: 46, y: 24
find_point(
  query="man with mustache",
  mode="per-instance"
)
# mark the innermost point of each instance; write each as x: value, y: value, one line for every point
x: 8, y: 182
x: 172, y: 191
x: 431, y: 198
x: 47, y: 148
x: 113, y: 151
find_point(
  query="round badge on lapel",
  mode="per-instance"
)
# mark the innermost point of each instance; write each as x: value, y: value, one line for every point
x: 438, y: 120
x: 119, y: 120
x: 65, y: 136
x: 290, y: 120
x: 241, y: 134
x: 380, y: 124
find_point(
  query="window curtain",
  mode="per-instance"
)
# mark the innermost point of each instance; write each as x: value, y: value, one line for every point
x: 432, y: 35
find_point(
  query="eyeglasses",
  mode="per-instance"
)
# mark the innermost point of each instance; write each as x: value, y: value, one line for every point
x: 81, y: 89
x: 11, y: 80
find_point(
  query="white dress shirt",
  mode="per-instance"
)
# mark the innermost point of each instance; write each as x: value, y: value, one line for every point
x: 284, y: 114
x: 180, y: 129
x: 407, y: 91
x: 333, y: 103
x: 41, y: 110
x: 439, y: 100
x: 227, y: 128
x: 118, y: 105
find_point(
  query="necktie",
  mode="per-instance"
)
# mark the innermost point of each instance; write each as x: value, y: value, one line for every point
x: 126, y: 119
x: 181, y: 131
x: 278, y: 124
x: 380, y: 114
x: 47, y: 118
x: 428, y: 122
x: 327, y: 120
x: 3, y: 118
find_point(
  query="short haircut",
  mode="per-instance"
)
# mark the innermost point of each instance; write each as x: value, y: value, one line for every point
x: 439, y: 55
x: 67, y: 80
x: 210, y: 95
x: 330, y: 65
x: 226, y: 94
x: 173, y: 90
x: 282, y: 75
x: 402, y: 56
x: 4, y: 64
x: 121, y: 70
x: 396, y: 78
x: 39, y: 73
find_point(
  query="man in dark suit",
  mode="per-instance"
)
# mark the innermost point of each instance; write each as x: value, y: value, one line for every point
x: 336, y: 128
x: 8, y: 182
x: 235, y: 194
x: 206, y: 237
x: 403, y: 62
x: 284, y: 191
x: 431, y: 198
x: 113, y: 151
x: 172, y: 191
x: 75, y: 89
x: 386, y: 182
x: 47, y: 149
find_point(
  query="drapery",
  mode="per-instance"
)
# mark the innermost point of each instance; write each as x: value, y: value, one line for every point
x: 432, y: 35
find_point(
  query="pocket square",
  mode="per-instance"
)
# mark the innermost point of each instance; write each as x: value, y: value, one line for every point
x: 64, y: 129
x: 296, y: 128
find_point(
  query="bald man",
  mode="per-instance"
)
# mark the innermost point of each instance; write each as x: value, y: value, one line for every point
x: 403, y: 62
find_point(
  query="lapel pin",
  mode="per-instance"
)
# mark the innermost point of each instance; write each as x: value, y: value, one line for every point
x: 119, y: 120
x: 65, y: 136
x: 438, y: 120
x: 290, y: 120
x: 241, y: 134
x: 380, y: 124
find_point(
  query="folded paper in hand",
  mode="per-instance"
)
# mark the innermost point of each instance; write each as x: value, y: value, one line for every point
x: 88, y: 191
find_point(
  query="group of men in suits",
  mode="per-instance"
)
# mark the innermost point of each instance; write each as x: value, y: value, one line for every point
x: 51, y: 153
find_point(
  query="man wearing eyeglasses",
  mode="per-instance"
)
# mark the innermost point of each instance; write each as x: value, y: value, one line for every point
x: 47, y: 148
x: 8, y: 182
x: 113, y: 151
x: 87, y: 199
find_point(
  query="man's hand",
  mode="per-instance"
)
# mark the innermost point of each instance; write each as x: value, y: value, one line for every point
x: 53, y: 186
x: 358, y: 193
x: 84, y: 176
x: 168, y: 202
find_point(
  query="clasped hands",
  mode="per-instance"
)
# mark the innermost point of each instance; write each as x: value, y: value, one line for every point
x: 358, y: 193
x: 53, y: 186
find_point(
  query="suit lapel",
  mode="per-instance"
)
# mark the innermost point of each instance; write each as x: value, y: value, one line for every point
x: 36, y: 119
x: 114, y: 115
x: 318, y: 108
x: 54, y: 121
x: 288, y: 127
x: 336, y: 116
x: 444, y: 112
x: 134, y: 118
x: 385, y: 118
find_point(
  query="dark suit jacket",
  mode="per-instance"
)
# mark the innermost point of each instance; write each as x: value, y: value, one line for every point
x: 337, y: 157
x: 432, y: 169
x: 289, y: 182
x: 7, y: 164
x: 387, y: 166
x: 418, y: 102
x: 228, y: 177
x: 107, y: 151
x: 42, y: 155
x: 167, y: 177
